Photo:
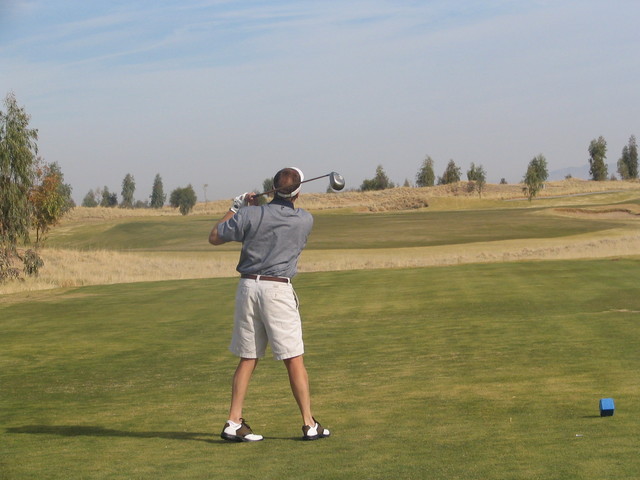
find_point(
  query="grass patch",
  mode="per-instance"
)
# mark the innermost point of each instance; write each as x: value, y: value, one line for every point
x: 106, y: 246
x: 345, y: 231
x: 169, y: 233
x: 468, y: 372
x: 425, y: 229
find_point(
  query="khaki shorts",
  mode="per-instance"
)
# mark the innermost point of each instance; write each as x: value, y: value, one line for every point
x: 266, y: 312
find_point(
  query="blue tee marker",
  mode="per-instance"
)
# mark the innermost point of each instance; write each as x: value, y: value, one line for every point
x: 607, y: 407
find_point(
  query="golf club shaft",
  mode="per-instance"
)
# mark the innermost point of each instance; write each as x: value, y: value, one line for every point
x: 304, y: 181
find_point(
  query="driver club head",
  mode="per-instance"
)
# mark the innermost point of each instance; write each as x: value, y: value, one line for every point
x: 336, y: 181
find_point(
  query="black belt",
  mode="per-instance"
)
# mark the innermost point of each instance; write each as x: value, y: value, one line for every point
x: 264, y: 277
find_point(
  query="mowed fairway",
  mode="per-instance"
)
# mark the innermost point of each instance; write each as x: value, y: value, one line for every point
x: 334, y: 230
x: 469, y: 372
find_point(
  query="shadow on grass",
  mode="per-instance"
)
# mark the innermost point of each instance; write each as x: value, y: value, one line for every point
x: 94, y: 431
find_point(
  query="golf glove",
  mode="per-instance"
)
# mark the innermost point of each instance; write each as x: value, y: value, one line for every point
x: 239, y: 201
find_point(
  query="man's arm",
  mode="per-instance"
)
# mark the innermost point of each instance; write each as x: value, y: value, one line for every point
x: 214, y: 238
x: 239, y: 201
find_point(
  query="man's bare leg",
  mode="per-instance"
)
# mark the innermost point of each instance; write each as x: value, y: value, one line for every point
x: 240, y: 385
x: 299, y: 380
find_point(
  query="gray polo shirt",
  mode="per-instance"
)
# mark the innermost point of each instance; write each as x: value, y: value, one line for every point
x: 272, y: 236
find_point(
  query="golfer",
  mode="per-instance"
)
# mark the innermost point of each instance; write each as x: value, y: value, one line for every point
x: 266, y: 308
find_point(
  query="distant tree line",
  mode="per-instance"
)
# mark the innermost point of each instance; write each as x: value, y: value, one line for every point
x: 533, y: 180
x: 182, y: 198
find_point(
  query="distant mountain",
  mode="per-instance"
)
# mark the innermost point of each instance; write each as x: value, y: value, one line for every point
x: 580, y: 172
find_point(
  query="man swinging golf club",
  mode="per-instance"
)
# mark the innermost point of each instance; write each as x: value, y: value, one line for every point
x: 266, y: 308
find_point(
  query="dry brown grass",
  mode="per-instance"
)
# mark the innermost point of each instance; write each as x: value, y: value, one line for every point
x: 99, y: 214
x: 612, y: 243
x: 405, y: 198
x: 619, y: 212
x: 73, y: 268
x: 457, y: 195
x: 68, y: 268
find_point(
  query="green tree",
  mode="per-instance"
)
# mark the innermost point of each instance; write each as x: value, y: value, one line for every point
x: 379, y: 182
x: 50, y: 199
x: 628, y: 162
x: 477, y: 177
x: 18, y: 150
x: 268, y: 184
x: 426, y: 176
x: 597, y: 155
x: 128, y: 188
x: 158, y: 197
x: 633, y: 157
x: 623, y: 164
x: 104, y: 196
x: 184, y: 199
x: 109, y: 199
x: 89, y: 200
x: 64, y: 189
x: 535, y: 177
x: 451, y: 174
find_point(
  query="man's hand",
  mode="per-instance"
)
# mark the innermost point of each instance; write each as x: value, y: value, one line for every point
x: 239, y: 202
x: 243, y: 200
x: 251, y: 199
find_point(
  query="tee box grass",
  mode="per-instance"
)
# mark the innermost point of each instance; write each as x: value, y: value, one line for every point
x: 467, y: 372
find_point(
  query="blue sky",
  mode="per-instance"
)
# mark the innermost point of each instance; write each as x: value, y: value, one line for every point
x: 224, y: 93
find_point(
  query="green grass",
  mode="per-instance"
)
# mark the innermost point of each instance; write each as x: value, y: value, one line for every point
x: 344, y: 231
x: 188, y: 233
x: 425, y: 228
x: 466, y: 372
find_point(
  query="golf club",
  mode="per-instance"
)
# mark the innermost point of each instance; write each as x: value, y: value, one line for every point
x: 336, y: 182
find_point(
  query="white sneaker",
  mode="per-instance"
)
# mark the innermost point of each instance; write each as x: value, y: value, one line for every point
x: 315, y: 432
x: 239, y: 432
